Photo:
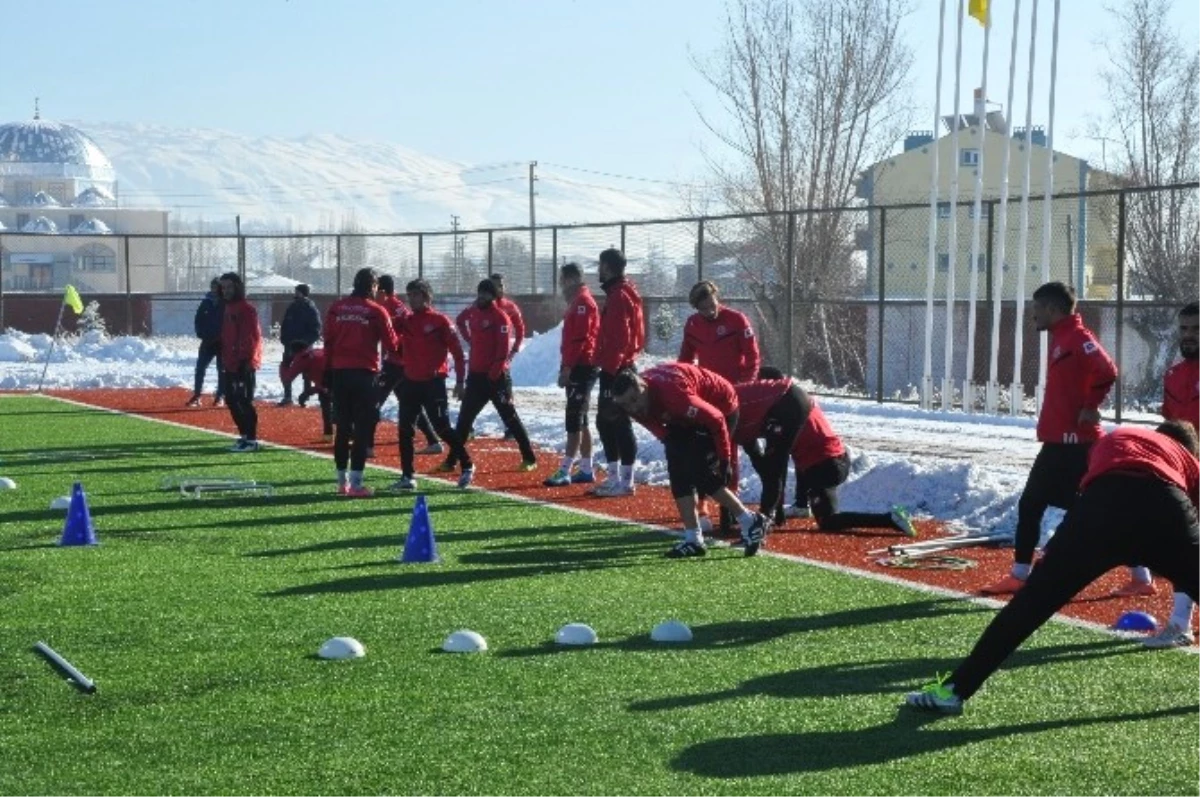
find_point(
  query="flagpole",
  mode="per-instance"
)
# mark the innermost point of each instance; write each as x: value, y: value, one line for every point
x: 57, y: 325
x: 972, y: 307
x: 998, y: 266
x: 1047, y: 205
x: 927, y: 377
x: 1018, y: 390
x: 952, y: 232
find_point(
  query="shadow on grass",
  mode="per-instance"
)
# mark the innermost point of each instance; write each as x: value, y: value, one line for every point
x: 740, y: 633
x: 430, y: 575
x: 904, y: 737
x: 878, y: 677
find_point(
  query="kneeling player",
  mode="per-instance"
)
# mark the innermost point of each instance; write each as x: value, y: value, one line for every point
x: 693, y: 412
x: 822, y: 465
x: 310, y: 361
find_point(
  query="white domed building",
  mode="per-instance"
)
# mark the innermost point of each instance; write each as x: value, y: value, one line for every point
x: 60, y: 219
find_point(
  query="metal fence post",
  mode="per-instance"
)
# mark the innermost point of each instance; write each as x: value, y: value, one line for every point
x: 554, y: 260
x: 337, y: 271
x: 420, y: 256
x: 128, y: 292
x: 700, y: 251
x: 1117, y: 355
x: 882, y: 289
x: 489, y: 268
x: 623, y: 239
x: 991, y: 240
x: 791, y: 270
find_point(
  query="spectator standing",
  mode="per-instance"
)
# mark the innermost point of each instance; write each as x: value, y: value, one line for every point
x: 207, y: 324
x: 301, y: 323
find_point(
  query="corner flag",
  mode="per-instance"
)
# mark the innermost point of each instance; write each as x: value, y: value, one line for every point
x: 71, y: 299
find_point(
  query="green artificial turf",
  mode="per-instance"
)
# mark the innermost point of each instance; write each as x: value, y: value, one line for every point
x: 199, y: 621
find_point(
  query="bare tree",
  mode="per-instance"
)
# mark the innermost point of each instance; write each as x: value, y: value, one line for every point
x: 1155, y: 116
x: 1154, y: 119
x: 815, y: 91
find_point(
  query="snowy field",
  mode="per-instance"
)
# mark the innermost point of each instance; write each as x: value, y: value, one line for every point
x: 964, y: 469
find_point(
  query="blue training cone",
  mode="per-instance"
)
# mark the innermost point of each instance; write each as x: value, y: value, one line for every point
x: 78, y: 528
x: 420, y: 546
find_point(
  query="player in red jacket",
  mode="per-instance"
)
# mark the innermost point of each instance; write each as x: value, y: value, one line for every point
x: 428, y: 337
x: 356, y: 330
x: 467, y: 322
x: 1181, y: 402
x: 719, y: 338
x: 622, y: 338
x: 694, y: 413
x: 822, y: 462
x: 391, y: 376
x: 241, y: 357
x: 487, y: 375
x: 577, y: 373
x: 1079, y: 375
x: 1137, y: 504
x: 309, y: 361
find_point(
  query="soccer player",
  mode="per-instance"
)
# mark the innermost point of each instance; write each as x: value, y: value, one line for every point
x: 356, y: 329
x: 694, y: 413
x: 487, y: 375
x: 622, y: 338
x: 309, y: 362
x: 427, y: 337
x: 1181, y: 402
x: 207, y: 324
x: 822, y: 462
x: 391, y: 378
x: 1079, y: 375
x: 301, y: 322
x: 719, y: 338
x: 241, y: 357
x: 577, y: 373
x: 1137, y: 505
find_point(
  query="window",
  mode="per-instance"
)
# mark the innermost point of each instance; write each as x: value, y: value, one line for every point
x: 943, y: 262
x: 22, y: 220
x: 968, y: 157
x: 95, y: 257
x: 74, y: 221
x: 59, y: 192
x: 22, y: 190
x: 943, y: 210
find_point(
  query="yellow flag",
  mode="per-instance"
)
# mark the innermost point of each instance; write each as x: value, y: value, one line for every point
x: 71, y: 299
x: 979, y: 10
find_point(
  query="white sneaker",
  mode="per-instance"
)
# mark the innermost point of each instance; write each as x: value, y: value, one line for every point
x: 612, y: 488
x: 1172, y: 636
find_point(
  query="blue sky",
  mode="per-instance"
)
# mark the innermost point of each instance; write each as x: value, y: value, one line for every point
x: 593, y: 84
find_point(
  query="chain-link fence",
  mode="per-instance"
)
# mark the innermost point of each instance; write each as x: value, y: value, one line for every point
x: 840, y: 297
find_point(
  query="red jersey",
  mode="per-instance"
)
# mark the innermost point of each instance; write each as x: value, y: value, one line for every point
x: 516, y: 322
x: 817, y: 441
x: 311, y: 363
x: 755, y: 400
x: 241, y: 337
x: 355, y: 330
x: 427, y: 337
x: 1181, y: 392
x: 684, y: 395
x: 1079, y: 375
x: 725, y: 344
x: 581, y: 330
x: 396, y: 310
x: 622, y: 328
x: 489, y: 342
x: 1134, y: 450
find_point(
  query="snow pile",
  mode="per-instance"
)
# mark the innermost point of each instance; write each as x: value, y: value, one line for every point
x: 15, y: 348
x: 537, y: 363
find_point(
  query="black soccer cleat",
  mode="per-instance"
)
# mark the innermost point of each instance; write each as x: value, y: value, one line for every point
x: 755, y: 533
x: 686, y: 550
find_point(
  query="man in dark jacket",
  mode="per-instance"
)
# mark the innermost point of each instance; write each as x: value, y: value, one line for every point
x: 301, y: 322
x: 208, y: 328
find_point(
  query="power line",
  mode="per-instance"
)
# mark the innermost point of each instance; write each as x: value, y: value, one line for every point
x: 624, y: 176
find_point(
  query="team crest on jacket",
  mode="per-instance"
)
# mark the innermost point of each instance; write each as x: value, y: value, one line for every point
x: 721, y: 330
x: 484, y: 324
x: 1056, y: 353
x: 1089, y: 347
x: 691, y: 412
x: 429, y: 327
x: 581, y: 309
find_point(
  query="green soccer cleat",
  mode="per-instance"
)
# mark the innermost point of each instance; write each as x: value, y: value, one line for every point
x: 902, y: 521
x: 937, y: 696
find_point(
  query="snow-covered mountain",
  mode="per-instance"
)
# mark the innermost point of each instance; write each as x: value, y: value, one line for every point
x: 326, y: 182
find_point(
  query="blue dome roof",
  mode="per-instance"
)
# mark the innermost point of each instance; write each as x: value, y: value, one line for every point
x: 50, y: 148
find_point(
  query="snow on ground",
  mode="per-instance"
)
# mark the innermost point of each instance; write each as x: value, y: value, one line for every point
x: 965, y: 469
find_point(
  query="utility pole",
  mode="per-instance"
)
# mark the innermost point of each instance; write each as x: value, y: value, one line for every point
x: 454, y: 256
x: 532, y: 231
